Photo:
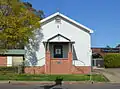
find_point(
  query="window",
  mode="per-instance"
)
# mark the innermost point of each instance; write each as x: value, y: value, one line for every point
x: 58, y: 51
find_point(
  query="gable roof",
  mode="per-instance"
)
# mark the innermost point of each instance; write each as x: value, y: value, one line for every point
x: 68, y: 19
x: 58, y: 36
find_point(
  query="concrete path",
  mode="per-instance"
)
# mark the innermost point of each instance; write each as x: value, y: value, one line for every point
x: 112, y: 74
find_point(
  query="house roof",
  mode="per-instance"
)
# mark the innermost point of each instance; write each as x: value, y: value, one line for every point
x: 68, y: 19
x: 14, y: 52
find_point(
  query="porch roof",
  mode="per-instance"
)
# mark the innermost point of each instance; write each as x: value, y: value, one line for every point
x: 58, y: 38
x: 59, y: 42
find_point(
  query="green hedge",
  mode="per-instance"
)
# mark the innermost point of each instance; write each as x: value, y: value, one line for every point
x: 12, y: 69
x: 112, y: 60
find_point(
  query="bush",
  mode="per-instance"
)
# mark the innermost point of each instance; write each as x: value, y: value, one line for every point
x: 5, y: 70
x: 112, y: 60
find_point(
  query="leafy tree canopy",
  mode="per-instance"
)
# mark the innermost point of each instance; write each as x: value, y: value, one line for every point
x: 39, y: 13
x: 118, y: 46
x: 17, y: 23
x: 107, y: 46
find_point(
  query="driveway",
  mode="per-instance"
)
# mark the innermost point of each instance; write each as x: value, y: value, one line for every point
x: 112, y: 74
x: 67, y: 86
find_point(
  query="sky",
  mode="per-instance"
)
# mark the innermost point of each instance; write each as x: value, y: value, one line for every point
x: 102, y: 16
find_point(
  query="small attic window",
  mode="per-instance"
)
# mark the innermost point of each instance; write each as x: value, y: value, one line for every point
x: 57, y: 20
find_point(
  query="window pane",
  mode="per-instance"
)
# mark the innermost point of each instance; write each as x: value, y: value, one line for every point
x: 58, y: 51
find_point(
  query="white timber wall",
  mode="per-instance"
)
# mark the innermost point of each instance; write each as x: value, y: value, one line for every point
x: 82, y: 41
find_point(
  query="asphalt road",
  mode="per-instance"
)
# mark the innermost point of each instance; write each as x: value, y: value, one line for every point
x: 67, y: 86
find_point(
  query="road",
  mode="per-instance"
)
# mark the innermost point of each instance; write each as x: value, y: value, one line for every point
x: 67, y: 86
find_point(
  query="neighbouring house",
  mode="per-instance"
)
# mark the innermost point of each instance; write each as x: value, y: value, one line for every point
x: 12, y: 57
x: 62, y: 47
x: 98, y: 54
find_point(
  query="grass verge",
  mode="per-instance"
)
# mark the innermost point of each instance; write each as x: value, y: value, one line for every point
x: 44, y: 77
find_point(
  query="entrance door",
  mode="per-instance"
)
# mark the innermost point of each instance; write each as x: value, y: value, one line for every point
x: 58, y: 51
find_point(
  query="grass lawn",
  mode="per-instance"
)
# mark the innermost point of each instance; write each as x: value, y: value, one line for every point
x: 43, y: 77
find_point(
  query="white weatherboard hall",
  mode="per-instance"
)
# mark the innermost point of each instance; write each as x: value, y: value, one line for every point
x: 65, y: 47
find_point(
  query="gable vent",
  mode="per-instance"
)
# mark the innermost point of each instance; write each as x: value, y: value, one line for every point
x: 57, y: 20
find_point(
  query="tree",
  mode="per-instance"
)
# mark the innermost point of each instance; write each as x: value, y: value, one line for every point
x: 112, y: 60
x: 17, y: 24
x: 107, y: 46
x: 39, y: 13
x: 118, y: 46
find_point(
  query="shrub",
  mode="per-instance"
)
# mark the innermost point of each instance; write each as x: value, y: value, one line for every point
x: 5, y: 70
x: 112, y: 60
